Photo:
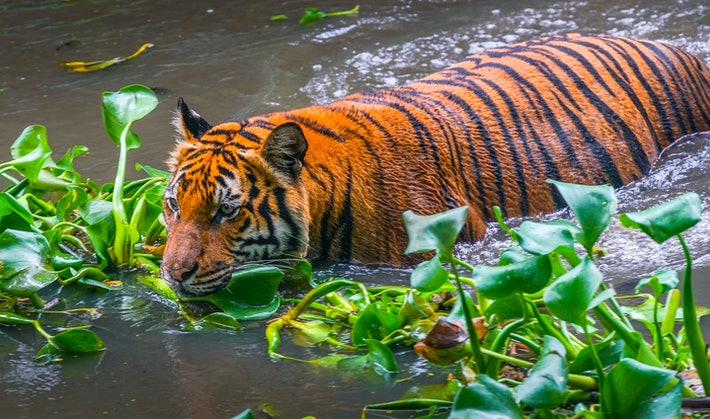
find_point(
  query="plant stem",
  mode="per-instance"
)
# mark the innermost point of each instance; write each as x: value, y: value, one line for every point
x: 690, y: 321
x: 122, y: 246
x: 598, y: 365
x: 472, y: 335
x: 552, y: 331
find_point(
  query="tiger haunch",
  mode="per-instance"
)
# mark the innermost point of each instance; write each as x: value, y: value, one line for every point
x: 331, y: 181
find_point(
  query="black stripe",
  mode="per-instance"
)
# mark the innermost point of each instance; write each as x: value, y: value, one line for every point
x: 345, y: 222
x: 623, y: 81
x: 639, y: 156
x: 285, y: 215
x: 657, y: 102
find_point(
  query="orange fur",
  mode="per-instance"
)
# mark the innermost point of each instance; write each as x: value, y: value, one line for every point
x: 487, y: 131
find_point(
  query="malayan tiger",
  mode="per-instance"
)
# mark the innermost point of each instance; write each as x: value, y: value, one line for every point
x: 332, y: 181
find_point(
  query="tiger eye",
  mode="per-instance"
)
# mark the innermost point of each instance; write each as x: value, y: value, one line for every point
x: 227, y: 211
x: 172, y: 204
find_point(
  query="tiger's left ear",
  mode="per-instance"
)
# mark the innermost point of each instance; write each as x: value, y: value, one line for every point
x: 190, y: 125
x: 285, y: 149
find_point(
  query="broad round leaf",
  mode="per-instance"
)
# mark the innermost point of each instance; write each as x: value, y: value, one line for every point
x: 668, y: 219
x: 661, y: 282
x: 252, y: 293
x: 257, y: 285
x: 569, y: 297
x: 546, y: 385
x: 373, y: 323
x: 30, y: 151
x: 381, y: 357
x: 78, y: 340
x: 624, y: 399
x: 26, y: 263
x: 544, y: 238
x: 529, y: 276
x: 122, y: 108
x: 592, y: 205
x: 429, y: 275
x: 485, y: 399
x: 434, y: 232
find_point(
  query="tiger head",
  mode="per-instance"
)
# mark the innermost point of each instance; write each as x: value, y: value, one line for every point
x: 232, y: 200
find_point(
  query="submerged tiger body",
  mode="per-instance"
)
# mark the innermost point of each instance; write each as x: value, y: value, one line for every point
x: 332, y: 181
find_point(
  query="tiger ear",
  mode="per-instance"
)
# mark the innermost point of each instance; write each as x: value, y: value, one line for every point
x: 190, y: 125
x: 285, y: 149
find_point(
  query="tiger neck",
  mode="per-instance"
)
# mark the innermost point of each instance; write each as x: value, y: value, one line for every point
x: 331, y: 176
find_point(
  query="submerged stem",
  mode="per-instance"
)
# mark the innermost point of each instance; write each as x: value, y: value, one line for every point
x: 690, y: 321
x: 472, y: 335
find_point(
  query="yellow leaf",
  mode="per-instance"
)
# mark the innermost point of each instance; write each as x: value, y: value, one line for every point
x: 87, y: 66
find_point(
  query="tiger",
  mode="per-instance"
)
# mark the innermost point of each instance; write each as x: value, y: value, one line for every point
x: 330, y: 182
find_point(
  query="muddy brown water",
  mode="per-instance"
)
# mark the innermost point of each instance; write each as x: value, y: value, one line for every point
x: 229, y: 61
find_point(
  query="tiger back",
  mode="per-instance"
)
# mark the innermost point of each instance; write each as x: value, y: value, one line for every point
x: 332, y: 181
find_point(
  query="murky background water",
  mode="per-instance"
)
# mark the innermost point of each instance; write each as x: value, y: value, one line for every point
x: 229, y: 61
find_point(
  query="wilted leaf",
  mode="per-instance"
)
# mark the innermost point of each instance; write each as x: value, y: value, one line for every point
x: 88, y: 66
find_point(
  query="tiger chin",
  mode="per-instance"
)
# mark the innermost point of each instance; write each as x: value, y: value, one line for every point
x: 331, y: 181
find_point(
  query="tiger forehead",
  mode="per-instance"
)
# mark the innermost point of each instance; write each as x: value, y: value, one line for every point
x: 232, y: 134
x: 209, y: 174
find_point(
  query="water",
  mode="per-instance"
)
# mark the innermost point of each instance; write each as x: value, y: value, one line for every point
x: 229, y: 61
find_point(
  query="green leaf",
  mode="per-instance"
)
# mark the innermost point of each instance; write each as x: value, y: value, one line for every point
x: 64, y: 168
x: 546, y: 385
x: 570, y: 296
x: 609, y: 351
x: 310, y: 15
x: 667, y: 219
x: 257, y: 285
x: 528, y: 276
x: 485, y: 399
x: 14, y: 215
x: 158, y: 286
x: 429, y: 275
x: 457, y: 313
x: 25, y: 263
x: 78, y: 340
x: 216, y: 321
x: 373, y: 323
x: 244, y: 415
x: 544, y: 238
x: 625, y: 400
x: 593, y: 206
x: 30, y: 152
x: 98, y: 215
x: 251, y: 294
x: 381, y: 357
x: 507, y: 308
x: 152, y: 171
x: 665, y: 405
x: 434, y: 232
x: 122, y: 108
x: 71, y: 200
x: 414, y: 307
x: 661, y: 282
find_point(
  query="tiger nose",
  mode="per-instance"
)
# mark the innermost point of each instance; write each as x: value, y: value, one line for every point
x: 181, y: 272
